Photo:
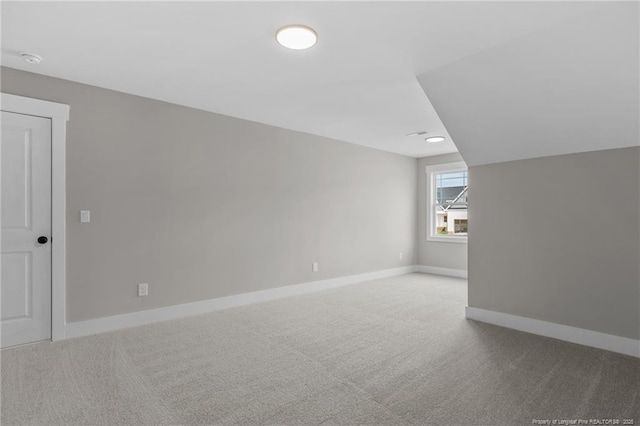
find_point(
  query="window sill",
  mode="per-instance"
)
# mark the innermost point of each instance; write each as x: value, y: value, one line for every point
x: 458, y: 240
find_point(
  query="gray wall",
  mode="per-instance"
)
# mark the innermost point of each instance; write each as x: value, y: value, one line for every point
x: 557, y: 239
x: 436, y: 253
x: 201, y: 205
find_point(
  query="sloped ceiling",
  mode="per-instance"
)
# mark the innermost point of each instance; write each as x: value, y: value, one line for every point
x: 358, y: 84
x: 569, y: 87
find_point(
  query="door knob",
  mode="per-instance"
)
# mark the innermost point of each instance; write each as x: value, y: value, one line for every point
x: 43, y: 240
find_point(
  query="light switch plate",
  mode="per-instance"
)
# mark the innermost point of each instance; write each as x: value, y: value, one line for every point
x: 85, y: 216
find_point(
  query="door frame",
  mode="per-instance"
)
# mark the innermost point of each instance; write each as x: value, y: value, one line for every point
x: 59, y: 115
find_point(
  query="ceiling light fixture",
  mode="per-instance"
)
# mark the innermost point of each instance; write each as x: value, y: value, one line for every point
x: 31, y: 58
x: 434, y: 139
x: 296, y: 37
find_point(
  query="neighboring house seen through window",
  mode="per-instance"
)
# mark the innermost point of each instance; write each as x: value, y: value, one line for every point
x: 447, y: 193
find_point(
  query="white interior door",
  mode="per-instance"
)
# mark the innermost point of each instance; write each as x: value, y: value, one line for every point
x: 25, y: 216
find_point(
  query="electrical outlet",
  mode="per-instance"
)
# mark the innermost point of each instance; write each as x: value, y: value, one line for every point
x: 85, y: 216
x: 400, y: 256
x: 314, y: 267
x: 143, y: 289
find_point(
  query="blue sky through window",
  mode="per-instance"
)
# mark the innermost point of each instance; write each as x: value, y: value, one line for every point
x: 448, y: 180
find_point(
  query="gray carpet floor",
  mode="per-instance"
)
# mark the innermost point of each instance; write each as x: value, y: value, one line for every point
x: 388, y: 352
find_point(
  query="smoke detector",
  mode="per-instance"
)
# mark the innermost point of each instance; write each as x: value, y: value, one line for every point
x: 31, y: 58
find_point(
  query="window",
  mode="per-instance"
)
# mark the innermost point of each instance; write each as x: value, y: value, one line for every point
x: 447, y: 193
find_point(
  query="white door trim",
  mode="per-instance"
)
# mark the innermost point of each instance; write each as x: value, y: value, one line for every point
x: 59, y: 115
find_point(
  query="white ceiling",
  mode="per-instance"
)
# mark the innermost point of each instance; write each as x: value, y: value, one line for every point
x: 358, y: 84
x: 572, y: 87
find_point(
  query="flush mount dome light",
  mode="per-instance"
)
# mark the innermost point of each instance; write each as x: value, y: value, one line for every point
x: 434, y: 139
x: 31, y: 58
x: 296, y: 37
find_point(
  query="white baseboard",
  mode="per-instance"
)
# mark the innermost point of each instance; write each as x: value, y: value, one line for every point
x: 100, y: 325
x: 567, y: 333
x: 459, y: 273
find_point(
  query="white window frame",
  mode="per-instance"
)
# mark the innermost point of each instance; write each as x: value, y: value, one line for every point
x: 59, y: 115
x: 431, y: 171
